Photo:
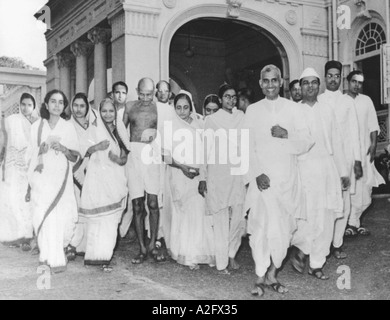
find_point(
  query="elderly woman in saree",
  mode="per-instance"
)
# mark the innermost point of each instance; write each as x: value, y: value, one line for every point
x: 84, y: 119
x: 54, y: 147
x: 104, y: 195
x: 191, y: 233
x: 16, y: 228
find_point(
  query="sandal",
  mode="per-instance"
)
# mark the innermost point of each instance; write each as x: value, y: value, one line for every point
x: 26, y: 247
x: 339, y: 254
x: 157, y: 256
x: 351, y: 231
x: 318, y: 273
x: 139, y: 259
x: 362, y: 231
x: 107, y: 269
x: 71, y: 253
x: 278, y: 288
x: 298, y: 261
x: 258, y: 290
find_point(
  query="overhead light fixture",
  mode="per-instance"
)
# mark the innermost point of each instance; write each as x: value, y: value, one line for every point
x: 189, y: 52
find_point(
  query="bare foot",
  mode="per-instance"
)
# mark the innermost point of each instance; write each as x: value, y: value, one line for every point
x: 233, y: 264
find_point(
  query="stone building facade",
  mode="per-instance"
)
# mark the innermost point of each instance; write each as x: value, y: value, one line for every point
x: 199, y: 44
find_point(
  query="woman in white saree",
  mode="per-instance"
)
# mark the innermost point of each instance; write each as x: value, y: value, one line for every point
x: 54, y: 147
x: 84, y: 119
x: 16, y: 228
x: 191, y: 236
x: 104, y: 195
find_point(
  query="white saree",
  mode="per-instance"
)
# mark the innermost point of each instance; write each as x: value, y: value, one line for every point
x: 53, y: 200
x: 190, y: 239
x: 103, y: 199
x: 15, y: 216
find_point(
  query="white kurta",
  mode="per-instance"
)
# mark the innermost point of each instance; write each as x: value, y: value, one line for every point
x: 15, y: 215
x: 225, y: 191
x: 321, y: 169
x: 272, y: 214
x: 54, y: 189
x: 368, y: 123
x: 346, y: 116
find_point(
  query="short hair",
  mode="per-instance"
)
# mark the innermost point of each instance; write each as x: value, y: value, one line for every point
x: 45, y: 112
x: 184, y: 96
x: 247, y: 94
x: 119, y: 83
x: 212, y: 98
x: 161, y: 82
x: 27, y: 95
x: 270, y: 68
x: 292, y: 84
x: 223, y: 88
x: 354, y: 73
x: 82, y: 96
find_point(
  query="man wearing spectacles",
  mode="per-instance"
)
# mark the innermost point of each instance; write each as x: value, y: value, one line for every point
x: 346, y: 117
x: 320, y: 171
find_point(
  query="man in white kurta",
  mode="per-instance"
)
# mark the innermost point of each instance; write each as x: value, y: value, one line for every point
x: 369, y: 130
x: 275, y: 199
x: 349, y: 129
x: 320, y: 170
x: 225, y: 189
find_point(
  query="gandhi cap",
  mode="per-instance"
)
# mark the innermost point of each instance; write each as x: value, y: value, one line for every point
x: 309, y: 72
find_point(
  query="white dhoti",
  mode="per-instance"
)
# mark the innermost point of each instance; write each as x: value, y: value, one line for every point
x: 144, y: 175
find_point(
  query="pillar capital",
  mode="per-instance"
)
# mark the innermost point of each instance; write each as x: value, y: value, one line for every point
x: 80, y: 48
x: 99, y: 35
x: 65, y: 60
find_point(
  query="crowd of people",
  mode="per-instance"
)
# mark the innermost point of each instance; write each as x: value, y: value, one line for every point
x: 287, y: 173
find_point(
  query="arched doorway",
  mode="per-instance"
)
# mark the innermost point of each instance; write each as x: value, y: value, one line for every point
x: 258, y: 21
x: 207, y: 52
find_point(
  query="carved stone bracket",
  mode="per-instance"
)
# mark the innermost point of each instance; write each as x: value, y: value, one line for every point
x: 141, y: 20
x: 65, y: 60
x: 234, y: 8
x: 99, y: 35
x: 80, y: 48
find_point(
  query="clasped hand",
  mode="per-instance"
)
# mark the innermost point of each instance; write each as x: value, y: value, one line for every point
x: 279, y: 132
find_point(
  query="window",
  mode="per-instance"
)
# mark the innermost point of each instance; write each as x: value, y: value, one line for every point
x: 370, y: 39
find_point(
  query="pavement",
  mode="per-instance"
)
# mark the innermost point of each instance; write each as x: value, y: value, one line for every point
x: 364, y: 275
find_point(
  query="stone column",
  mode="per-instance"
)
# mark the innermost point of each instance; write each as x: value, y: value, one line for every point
x: 81, y: 50
x: 100, y: 38
x: 135, y: 27
x: 65, y: 63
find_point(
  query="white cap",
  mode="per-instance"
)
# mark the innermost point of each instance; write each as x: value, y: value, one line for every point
x: 309, y: 72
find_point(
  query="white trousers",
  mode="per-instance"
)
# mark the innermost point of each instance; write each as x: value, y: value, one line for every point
x: 229, y: 228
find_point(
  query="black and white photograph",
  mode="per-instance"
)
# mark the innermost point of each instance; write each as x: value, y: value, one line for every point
x: 195, y: 154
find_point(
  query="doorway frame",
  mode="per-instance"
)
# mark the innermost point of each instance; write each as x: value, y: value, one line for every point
x: 278, y: 35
